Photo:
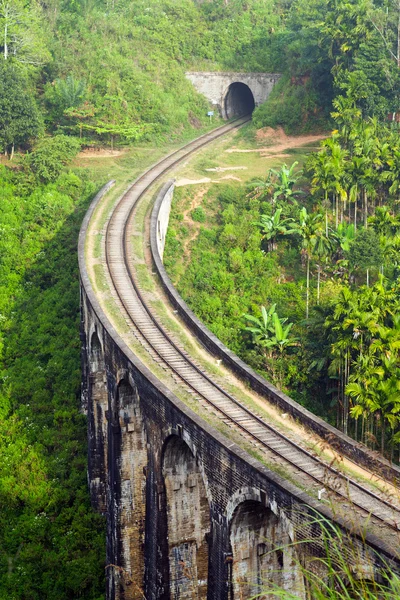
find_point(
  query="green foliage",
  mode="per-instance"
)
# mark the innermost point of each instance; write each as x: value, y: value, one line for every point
x: 64, y: 94
x: 346, y: 361
x: 20, y: 119
x: 51, y: 155
x: 273, y: 227
x: 365, y: 252
x: 365, y: 332
x: 51, y: 543
x: 198, y: 214
x: 269, y: 332
x: 294, y: 106
x: 23, y: 38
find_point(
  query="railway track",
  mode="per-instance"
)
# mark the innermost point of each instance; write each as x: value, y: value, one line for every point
x: 356, y: 504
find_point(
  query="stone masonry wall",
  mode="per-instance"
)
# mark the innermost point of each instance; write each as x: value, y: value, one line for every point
x: 215, y: 86
x: 172, y: 515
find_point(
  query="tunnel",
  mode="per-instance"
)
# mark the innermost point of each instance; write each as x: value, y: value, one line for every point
x: 239, y: 100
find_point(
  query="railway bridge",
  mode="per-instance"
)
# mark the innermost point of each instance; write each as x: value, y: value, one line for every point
x: 206, y: 494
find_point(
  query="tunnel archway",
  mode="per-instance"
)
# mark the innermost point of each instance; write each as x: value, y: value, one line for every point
x: 188, y: 522
x: 263, y: 556
x: 239, y: 100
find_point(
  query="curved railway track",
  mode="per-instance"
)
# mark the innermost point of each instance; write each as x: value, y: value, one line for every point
x: 355, y: 503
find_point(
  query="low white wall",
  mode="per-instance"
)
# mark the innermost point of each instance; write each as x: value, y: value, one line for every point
x: 163, y: 219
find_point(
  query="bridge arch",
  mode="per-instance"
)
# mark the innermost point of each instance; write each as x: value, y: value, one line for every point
x: 238, y: 100
x: 188, y: 521
x: 97, y: 424
x: 128, y: 463
x: 96, y: 353
x: 262, y: 554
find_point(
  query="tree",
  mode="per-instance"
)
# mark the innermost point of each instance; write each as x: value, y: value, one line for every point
x: 272, y: 226
x: 261, y: 188
x: 22, y: 29
x: 309, y: 228
x: 52, y: 155
x: 322, y: 249
x: 285, y: 180
x: 384, y: 222
x: 270, y: 334
x: 365, y: 252
x: 20, y: 119
x: 261, y: 328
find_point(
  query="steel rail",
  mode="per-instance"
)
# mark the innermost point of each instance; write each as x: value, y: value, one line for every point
x: 144, y: 182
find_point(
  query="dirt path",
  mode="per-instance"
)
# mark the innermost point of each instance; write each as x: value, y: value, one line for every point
x: 101, y: 153
x: 278, y: 142
x: 193, y: 226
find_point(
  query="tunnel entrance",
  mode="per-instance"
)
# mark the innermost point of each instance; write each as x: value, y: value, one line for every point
x: 239, y: 100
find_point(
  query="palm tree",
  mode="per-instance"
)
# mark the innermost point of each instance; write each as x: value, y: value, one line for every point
x: 394, y: 164
x: 345, y: 114
x: 322, y: 249
x: 366, y: 146
x: 384, y: 222
x: 328, y: 174
x: 356, y: 168
x: 309, y: 228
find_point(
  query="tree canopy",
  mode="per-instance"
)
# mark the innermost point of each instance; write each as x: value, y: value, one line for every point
x: 20, y: 119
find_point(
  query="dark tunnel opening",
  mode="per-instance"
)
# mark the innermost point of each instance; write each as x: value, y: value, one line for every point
x: 239, y: 100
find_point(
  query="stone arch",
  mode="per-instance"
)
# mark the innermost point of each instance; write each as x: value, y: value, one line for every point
x: 97, y: 424
x: 96, y: 354
x: 128, y: 464
x: 238, y: 100
x: 262, y: 554
x: 188, y: 521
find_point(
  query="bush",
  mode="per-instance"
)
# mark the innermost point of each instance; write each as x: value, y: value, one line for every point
x: 199, y: 215
x: 52, y: 155
x: 294, y: 106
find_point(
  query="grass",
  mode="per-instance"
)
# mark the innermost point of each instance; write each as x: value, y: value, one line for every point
x: 256, y: 164
x: 97, y: 250
x: 100, y: 280
x: 137, y: 246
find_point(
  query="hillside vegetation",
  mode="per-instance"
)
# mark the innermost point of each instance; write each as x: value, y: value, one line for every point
x: 94, y: 73
x: 298, y: 273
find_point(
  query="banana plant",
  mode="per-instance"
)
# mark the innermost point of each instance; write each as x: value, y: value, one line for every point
x: 273, y: 226
x: 285, y: 180
x: 269, y: 331
x: 281, y: 337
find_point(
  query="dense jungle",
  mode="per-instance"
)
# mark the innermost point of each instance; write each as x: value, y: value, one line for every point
x: 80, y: 76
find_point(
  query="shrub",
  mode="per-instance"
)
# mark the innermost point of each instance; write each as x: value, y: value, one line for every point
x: 52, y: 155
x: 294, y: 106
x: 199, y: 215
